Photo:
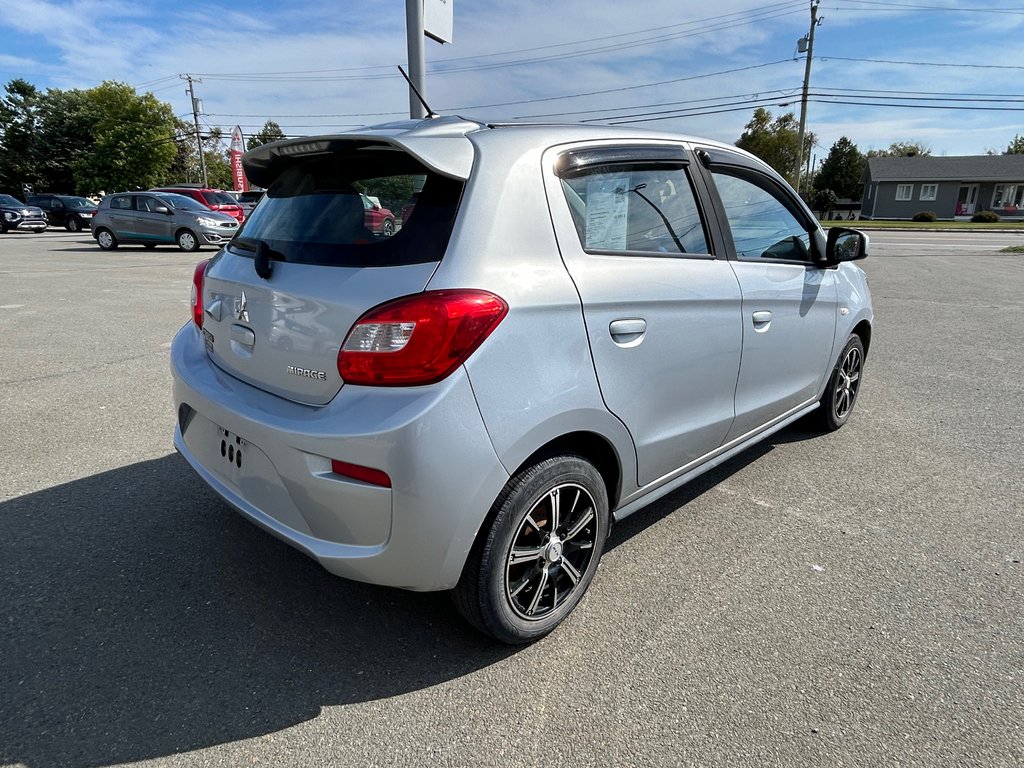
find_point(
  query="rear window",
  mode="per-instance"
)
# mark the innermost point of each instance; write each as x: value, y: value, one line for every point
x: 219, y: 198
x: 314, y: 213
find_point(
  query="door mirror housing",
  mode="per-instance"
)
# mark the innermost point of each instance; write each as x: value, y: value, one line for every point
x: 162, y: 209
x: 845, y: 245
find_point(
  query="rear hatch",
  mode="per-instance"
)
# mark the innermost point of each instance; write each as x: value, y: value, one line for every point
x: 322, y: 269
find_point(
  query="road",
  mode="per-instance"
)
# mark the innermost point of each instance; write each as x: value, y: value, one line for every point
x: 848, y: 600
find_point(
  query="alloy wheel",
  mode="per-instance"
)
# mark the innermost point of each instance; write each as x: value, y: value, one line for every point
x: 550, y: 552
x: 847, y: 382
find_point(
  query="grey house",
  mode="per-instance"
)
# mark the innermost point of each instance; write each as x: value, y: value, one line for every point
x: 952, y: 187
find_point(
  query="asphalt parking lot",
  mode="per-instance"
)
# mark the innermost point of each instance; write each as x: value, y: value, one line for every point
x: 848, y: 600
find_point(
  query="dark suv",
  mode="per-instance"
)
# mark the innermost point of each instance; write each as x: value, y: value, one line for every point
x: 18, y: 217
x: 69, y: 211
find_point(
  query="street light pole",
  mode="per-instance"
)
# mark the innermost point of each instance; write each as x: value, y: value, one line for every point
x: 414, y: 36
x: 815, y: 21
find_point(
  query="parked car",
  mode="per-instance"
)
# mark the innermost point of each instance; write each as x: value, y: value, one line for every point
x: 469, y: 404
x: 214, y: 199
x: 246, y: 200
x: 409, y: 207
x: 15, y: 216
x: 378, y: 219
x: 159, y: 218
x: 72, y: 212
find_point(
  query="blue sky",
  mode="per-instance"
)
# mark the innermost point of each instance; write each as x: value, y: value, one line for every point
x: 700, y: 68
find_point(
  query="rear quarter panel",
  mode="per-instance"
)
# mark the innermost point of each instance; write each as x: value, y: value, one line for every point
x: 533, y: 378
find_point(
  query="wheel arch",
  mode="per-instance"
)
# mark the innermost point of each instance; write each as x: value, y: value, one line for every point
x: 587, y: 445
x: 863, y: 330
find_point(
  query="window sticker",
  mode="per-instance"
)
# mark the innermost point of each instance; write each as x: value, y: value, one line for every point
x: 607, y: 209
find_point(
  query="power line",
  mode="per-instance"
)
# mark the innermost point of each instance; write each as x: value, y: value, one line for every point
x: 661, y: 28
x: 922, y: 63
x: 623, y: 88
x: 816, y: 98
x: 440, y: 69
x: 887, y: 6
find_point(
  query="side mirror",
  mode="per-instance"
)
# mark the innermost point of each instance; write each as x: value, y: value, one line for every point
x: 845, y: 245
x: 162, y: 209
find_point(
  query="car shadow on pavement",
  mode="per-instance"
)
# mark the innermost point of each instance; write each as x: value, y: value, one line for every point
x: 142, y: 618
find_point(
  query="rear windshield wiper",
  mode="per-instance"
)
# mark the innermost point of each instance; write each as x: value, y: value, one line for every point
x: 264, y: 254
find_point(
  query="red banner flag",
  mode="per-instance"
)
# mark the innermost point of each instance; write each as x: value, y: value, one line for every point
x: 237, y: 150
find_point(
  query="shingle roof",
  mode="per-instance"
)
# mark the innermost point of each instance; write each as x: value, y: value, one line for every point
x: 967, y: 168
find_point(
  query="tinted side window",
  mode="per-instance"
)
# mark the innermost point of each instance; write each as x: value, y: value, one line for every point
x: 762, y: 226
x: 642, y: 208
x: 121, y: 203
x: 146, y: 203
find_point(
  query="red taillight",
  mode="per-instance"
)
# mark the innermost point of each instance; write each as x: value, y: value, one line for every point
x: 363, y: 474
x: 197, y: 293
x: 419, y: 339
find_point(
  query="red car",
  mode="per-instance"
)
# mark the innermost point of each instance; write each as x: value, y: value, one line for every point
x: 214, y: 199
x: 379, y: 219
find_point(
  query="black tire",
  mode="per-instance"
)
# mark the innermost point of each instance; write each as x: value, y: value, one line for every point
x: 532, y: 565
x: 388, y: 227
x: 73, y: 224
x: 843, y: 387
x: 105, y: 239
x: 187, y: 240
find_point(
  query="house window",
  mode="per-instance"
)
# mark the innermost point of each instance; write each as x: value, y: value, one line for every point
x: 1008, y: 197
x: 929, y: 191
x: 904, y: 191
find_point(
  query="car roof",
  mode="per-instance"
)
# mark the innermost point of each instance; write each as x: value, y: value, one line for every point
x: 445, y: 144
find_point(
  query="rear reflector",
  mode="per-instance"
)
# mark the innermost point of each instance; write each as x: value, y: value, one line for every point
x: 197, y: 292
x: 418, y: 339
x: 363, y: 474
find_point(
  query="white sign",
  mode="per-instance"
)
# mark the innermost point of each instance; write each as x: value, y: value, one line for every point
x: 607, y: 211
x: 437, y: 19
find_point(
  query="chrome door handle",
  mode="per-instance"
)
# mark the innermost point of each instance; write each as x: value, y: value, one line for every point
x: 761, y: 317
x: 628, y: 331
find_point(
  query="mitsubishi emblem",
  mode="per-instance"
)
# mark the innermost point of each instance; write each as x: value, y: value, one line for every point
x: 241, y: 311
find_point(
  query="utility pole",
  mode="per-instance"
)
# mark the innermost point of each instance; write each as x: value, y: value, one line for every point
x: 414, y: 35
x: 809, y: 42
x: 196, y: 109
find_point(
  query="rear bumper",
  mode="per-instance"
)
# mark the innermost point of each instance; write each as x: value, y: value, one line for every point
x: 429, y: 440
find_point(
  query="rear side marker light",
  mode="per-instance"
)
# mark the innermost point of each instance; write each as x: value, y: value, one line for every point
x: 418, y: 339
x: 363, y: 474
x: 197, y: 292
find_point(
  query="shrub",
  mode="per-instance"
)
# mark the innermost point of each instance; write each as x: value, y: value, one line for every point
x: 985, y: 217
x: 925, y: 216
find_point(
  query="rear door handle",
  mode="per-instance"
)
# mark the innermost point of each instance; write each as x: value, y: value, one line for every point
x: 628, y: 332
x: 761, y: 317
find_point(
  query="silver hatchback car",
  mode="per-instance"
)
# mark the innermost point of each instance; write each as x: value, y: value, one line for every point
x: 159, y: 218
x: 576, y: 321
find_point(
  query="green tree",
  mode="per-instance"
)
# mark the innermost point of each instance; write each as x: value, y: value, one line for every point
x: 270, y: 131
x: 19, y: 122
x: 825, y: 201
x: 776, y: 141
x: 902, y: 149
x: 134, y: 140
x: 842, y: 171
x: 65, y: 136
x: 1016, y: 146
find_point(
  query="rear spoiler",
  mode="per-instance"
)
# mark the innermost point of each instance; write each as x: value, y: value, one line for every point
x: 440, y: 144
